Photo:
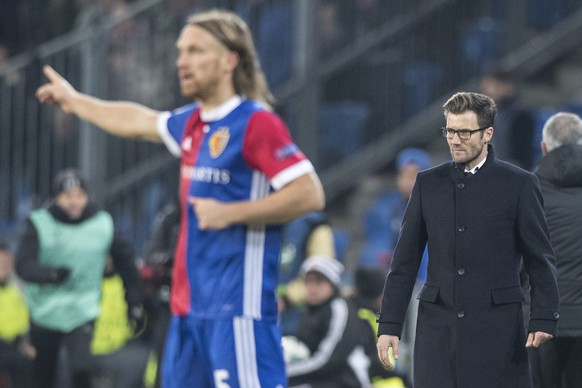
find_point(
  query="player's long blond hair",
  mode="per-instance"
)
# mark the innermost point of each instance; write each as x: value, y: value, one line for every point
x: 233, y: 32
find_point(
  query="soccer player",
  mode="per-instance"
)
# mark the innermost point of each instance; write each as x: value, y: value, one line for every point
x: 241, y: 177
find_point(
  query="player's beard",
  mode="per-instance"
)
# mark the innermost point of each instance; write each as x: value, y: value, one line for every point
x: 201, y: 91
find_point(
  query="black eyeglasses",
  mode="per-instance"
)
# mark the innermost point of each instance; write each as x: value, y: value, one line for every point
x: 464, y: 134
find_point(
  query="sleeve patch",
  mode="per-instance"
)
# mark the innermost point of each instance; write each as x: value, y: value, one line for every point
x: 286, y: 151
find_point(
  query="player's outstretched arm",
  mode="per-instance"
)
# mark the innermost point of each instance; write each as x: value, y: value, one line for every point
x: 119, y: 118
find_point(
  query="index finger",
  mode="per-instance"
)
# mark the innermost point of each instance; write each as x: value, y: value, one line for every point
x: 51, y: 73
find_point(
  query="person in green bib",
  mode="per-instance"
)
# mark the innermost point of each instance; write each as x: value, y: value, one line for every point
x: 61, y: 258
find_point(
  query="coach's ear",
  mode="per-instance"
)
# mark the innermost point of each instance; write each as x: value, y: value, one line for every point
x: 488, y: 135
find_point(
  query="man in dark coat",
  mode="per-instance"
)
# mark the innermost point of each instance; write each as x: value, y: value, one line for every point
x: 480, y: 217
x: 560, y: 174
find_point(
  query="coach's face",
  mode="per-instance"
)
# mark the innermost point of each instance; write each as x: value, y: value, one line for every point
x: 470, y: 151
x: 205, y: 66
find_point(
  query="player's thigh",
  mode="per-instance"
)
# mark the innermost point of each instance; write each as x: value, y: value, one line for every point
x: 246, y: 353
x: 185, y: 363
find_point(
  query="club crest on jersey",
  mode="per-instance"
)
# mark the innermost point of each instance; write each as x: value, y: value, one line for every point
x: 218, y: 141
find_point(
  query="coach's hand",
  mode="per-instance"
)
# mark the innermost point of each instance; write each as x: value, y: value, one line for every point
x: 56, y: 91
x: 535, y: 339
x: 385, y: 342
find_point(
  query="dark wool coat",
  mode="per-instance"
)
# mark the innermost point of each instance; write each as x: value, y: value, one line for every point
x: 560, y: 174
x: 470, y: 330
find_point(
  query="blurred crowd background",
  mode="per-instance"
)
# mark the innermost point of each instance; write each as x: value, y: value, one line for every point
x: 357, y: 81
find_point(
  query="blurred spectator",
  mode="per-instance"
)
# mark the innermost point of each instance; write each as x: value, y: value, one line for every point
x: 339, y: 343
x: 119, y: 353
x: 305, y: 236
x: 560, y: 174
x: 382, y: 220
x: 159, y: 251
x: 367, y: 297
x: 157, y: 274
x: 514, y: 123
x: 16, y: 353
x: 61, y: 257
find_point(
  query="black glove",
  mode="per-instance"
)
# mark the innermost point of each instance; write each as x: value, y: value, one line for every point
x: 59, y: 275
x: 137, y: 317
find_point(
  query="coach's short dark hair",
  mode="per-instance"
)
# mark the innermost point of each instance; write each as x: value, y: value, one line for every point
x: 483, y: 106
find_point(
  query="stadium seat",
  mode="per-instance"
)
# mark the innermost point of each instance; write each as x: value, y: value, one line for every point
x: 342, y: 129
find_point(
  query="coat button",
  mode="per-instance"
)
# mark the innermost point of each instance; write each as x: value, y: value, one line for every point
x: 460, y: 186
x: 461, y: 271
x: 556, y: 315
x: 461, y: 228
x: 461, y: 314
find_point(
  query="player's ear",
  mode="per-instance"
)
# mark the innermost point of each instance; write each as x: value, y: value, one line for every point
x: 233, y: 60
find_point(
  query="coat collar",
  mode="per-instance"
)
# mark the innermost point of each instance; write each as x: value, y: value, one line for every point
x: 489, y: 161
x: 562, y: 166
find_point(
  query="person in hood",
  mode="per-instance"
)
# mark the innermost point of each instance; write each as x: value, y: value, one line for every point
x: 61, y: 257
x: 560, y: 175
x: 340, y: 343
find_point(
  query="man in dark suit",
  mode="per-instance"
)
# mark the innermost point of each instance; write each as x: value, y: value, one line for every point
x: 480, y: 217
x: 560, y: 175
